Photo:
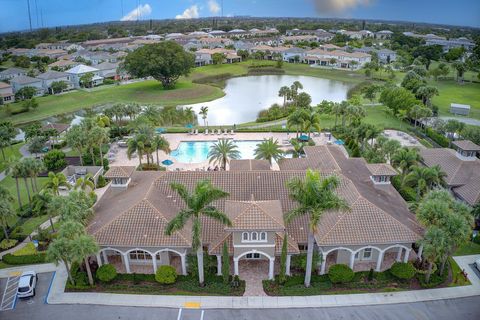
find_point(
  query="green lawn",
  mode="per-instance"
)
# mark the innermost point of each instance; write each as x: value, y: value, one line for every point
x: 149, y: 92
x: 9, y: 183
x: 457, y: 278
x: 11, y: 153
x: 453, y: 92
x: 468, y: 249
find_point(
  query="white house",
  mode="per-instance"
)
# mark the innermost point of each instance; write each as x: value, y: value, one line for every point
x: 337, y: 59
x: 6, y: 93
x: 107, y: 69
x: 26, y: 81
x: 50, y: 77
x: 78, y: 71
x: 294, y: 54
x: 11, y: 73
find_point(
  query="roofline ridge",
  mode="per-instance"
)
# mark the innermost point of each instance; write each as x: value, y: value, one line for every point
x: 344, y: 212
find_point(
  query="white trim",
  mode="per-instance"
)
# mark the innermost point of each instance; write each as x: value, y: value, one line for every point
x: 255, y: 245
x: 253, y: 251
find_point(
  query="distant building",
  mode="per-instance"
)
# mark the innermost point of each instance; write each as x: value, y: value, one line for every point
x: 6, y: 93
x: 383, y: 34
x: 50, y: 77
x: 78, y: 71
x: 462, y: 42
x: 25, y: 81
x: 336, y: 58
x: 459, y: 109
x: 11, y: 73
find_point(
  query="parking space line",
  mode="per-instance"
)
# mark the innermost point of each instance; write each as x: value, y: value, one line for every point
x: 9, y: 298
x: 45, y: 301
x: 201, y: 316
x: 179, y: 317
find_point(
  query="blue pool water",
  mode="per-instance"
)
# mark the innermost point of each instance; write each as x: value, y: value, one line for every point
x: 197, y: 151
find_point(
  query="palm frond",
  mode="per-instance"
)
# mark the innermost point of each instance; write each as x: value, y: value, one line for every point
x: 178, y: 222
x: 216, y: 214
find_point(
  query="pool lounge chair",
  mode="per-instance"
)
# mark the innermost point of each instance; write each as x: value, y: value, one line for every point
x: 219, y: 132
x: 213, y: 132
x: 225, y: 131
x: 231, y: 132
x: 196, y: 131
x: 206, y: 132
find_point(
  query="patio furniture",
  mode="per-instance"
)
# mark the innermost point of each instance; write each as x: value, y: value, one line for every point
x: 225, y: 131
x: 213, y: 132
x: 219, y: 132
x: 206, y: 131
x: 231, y: 132
x: 196, y: 131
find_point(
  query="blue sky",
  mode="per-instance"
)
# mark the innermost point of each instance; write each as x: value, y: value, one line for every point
x: 13, y: 13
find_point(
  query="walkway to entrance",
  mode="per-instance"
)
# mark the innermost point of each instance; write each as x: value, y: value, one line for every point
x: 253, y: 272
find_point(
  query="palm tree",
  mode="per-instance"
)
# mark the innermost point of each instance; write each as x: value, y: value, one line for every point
x: 422, y: 178
x: 461, y: 67
x: 337, y: 110
x: 314, y: 195
x: 61, y: 249
x: 24, y: 172
x: 84, y: 183
x: 85, y: 246
x: 6, y: 209
x: 222, y: 151
x: 296, y: 119
x: 285, y: 93
x: 434, y: 247
x: 77, y: 139
x: 160, y: 143
x: 268, y: 150
x: 14, y: 169
x: 297, y: 150
x: 372, y: 133
x: 198, y: 204
x: 41, y: 205
x: 55, y: 181
x: 311, y: 121
x: 34, y: 167
x: 404, y: 159
x: 203, y: 112
x: 100, y: 136
x: 426, y: 93
x: 131, y: 110
x: 136, y: 144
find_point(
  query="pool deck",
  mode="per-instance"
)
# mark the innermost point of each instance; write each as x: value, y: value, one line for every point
x: 174, y: 139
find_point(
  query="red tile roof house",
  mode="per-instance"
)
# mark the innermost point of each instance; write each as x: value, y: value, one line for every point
x: 130, y: 219
x: 6, y: 93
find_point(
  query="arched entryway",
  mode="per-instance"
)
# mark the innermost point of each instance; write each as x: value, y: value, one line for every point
x: 254, y: 267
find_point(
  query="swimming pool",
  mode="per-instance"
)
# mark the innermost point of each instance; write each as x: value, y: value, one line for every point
x: 197, y: 151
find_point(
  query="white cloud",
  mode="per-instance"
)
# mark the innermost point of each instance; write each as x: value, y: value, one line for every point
x: 189, y: 13
x: 138, y: 12
x: 338, y: 6
x: 213, y: 6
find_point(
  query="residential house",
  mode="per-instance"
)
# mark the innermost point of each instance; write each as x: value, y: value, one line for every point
x: 461, y: 166
x: 299, y: 38
x: 336, y: 58
x: 378, y: 229
x: 446, y: 45
x: 294, y: 54
x: 6, y: 93
x: 63, y: 65
x: 321, y: 34
x: 204, y: 56
x: 26, y: 81
x: 212, y: 43
x: 217, y: 33
x: 362, y: 34
x: 108, y: 70
x: 52, y: 76
x: 383, y: 34
x: 78, y: 71
x: 384, y: 55
x: 11, y: 73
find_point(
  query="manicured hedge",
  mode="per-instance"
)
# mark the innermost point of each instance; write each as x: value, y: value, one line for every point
x: 106, y: 273
x: 26, y: 259
x: 404, y: 271
x: 438, y: 138
x: 166, y: 274
x: 340, y: 273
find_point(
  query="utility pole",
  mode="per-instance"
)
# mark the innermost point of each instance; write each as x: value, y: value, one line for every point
x: 36, y: 13
x: 29, y: 15
x: 222, y: 8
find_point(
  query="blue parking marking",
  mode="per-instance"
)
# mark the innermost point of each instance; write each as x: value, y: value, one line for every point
x: 49, y: 287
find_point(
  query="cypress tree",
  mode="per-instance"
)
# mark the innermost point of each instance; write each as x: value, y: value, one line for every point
x: 283, y: 261
x: 225, y: 263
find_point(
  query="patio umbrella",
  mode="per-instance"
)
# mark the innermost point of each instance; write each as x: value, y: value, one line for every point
x: 303, y: 138
x: 167, y: 162
x: 160, y: 130
x: 189, y: 126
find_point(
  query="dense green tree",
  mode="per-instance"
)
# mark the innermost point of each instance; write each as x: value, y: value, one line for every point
x: 58, y: 86
x: 397, y: 99
x: 7, y: 134
x: 225, y: 263
x: 461, y: 68
x: 165, y: 62
x: 25, y: 93
x: 6, y: 209
x: 86, y: 80
x: 55, y: 182
x: 428, y: 53
x: 218, y: 58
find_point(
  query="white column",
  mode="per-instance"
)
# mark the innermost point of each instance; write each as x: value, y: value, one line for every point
x: 235, y: 266
x: 407, y: 254
x: 219, y: 265
x: 184, y: 265
x: 99, y: 260
x: 352, y: 260
x: 287, y: 266
x: 270, y: 268
x: 379, y: 261
x: 399, y: 254
x: 420, y: 252
x: 324, y: 263
x: 154, y: 260
x: 127, y: 262
x: 105, y: 258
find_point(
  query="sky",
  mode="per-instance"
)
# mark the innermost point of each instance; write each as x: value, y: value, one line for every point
x: 50, y: 13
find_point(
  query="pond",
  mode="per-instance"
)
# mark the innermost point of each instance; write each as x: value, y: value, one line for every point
x: 246, y: 96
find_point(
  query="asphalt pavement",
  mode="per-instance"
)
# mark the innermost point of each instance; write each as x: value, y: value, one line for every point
x: 35, y: 308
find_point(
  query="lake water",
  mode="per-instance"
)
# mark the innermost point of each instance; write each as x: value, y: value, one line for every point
x: 246, y: 96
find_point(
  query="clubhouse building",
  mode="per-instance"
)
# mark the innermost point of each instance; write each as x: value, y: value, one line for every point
x: 377, y: 230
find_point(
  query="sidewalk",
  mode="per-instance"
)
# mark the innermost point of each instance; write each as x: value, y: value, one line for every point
x: 58, y: 296
x: 38, y: 268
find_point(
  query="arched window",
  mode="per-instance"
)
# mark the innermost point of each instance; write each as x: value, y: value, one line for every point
x: 245, y: 236
x: 263, y: 236
x: 254, y: 236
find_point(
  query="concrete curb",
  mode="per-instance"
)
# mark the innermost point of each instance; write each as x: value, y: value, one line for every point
x: 58, y: 296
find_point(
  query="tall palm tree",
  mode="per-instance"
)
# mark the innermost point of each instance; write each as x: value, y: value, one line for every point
x: 55, y: 181
x: 14, y: 169
x: 422, y: 178
x: 337, y: 110
x: 222, y: 151
x: 100, y: 136
x: 6, y: 209
x: 426, y: 93
x: 198, y: 204
x: 284, y: 92
x: 404, y: 159
x: 311, y: 121
x: 314, y: 195
x: 85, y: 246
x: 131, y: 110
x: 24, y: 172
x: 77, y: 139
x: 160, y: 143
x: 269, y: 150
x: 136, y: 144
x: 34, y: 167
x: 434, y: 247
x: 41, y: 205
x: 204, y: 112
x: 84, y: 183
x: 297, y: 150
x: 295, y: 120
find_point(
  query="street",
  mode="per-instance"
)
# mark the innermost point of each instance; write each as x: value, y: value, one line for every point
x: 33, y: 309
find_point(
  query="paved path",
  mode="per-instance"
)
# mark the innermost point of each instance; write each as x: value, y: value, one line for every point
x: 470, y: 121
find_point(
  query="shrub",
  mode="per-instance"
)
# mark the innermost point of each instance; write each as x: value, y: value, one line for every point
x: 54, y: 160
x: 28, y: 250
x: 404, y: 271
x: 7, y: 244
x: 340, y: 273
x: 166, y: 275
x: 300, y: 261
x: 25, y: 259
x: 438, y: 138
x: 101, y: 182
x: 106, y: 273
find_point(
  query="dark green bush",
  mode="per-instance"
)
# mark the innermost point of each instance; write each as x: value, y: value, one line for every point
x: 300, y: 261
x: 101, y: 182
x: 54, y: 160
x: 402, y: 270
x: 27, y: 259
x: 166, y: 274
x: 340, y: 273
x: 106, y: 273
x: 407, y: 193
x: 438, y: 138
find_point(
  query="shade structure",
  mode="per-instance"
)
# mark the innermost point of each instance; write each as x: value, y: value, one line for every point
x: 303, y: 138
x: 167, y: 162
x: 160, y: 130
x: 189, y: 126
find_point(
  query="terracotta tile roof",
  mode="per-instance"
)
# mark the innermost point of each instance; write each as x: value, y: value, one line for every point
x: 249, y: 165
x: 381, y: 169
x: 292, y: 245
x: 318, y: 157
x: 149, y: 230
x: 466, y: 145
x: 119, y: 172
x: 216, y: 247
x: 255, y: 215
x: 60, y: 127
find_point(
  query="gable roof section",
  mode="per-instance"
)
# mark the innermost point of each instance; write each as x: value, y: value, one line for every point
x: 466, y: 145
x: 318, y: 158
x: 24, y: 80
x: 381, y: 169
x: 80, y: 69
x: 255, y: 215
x: 119, y: 172
x: 249, y: 165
